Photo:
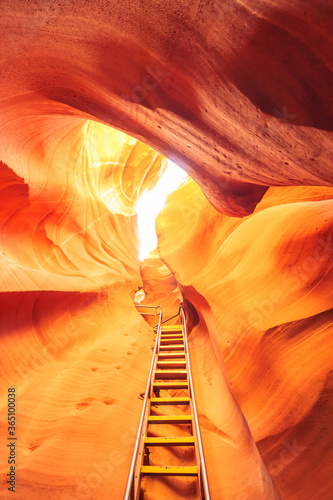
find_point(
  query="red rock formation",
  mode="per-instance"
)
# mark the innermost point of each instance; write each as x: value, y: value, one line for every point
x: 243, y: 96
x: 239, y: 94
x: 266, y: 289
x: 160, y: 286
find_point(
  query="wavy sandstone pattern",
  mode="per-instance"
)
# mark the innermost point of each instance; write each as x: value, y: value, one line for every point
x: 239, y: 94
x: 266, y: 285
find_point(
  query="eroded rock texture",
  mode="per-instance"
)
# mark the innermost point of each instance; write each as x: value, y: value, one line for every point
x: 266, y: 282
x: 240, y: 95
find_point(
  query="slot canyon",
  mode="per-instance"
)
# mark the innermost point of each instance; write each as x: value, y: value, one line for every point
x: 96, y: 98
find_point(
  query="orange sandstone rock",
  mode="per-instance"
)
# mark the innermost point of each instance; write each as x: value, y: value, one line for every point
x: 238, y: 94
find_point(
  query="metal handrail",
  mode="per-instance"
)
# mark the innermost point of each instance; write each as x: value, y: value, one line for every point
x: 148, y: 307
x: 149, y: 314
x: 203, y: 471
x: 132, y: 487
x: 175, y: 316
x: 131, y: 492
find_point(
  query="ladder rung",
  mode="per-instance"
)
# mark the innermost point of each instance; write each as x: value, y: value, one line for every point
x: 172, y: 347
x: 169, y: 441
x: 170, y: 385
x: 173, y: 341
x: 170, y: 419
x: 171, y: 335
x: 170, y: 401
x: 171, y: 355
x: 172, y: 328
x: 171, y: 364
x: 170, y: 471
x: 170, y: 374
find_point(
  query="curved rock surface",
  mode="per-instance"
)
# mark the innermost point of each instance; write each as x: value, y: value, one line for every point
x: 266, y: 281
x: 160, y: 286
x: 239, y: 94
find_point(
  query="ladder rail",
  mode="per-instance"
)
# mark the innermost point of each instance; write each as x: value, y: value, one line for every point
x: 134, y: 478
x: 132, y: 486
x: 204, y: 485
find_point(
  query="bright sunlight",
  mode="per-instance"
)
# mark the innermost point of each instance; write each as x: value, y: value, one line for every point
x: 151, y: 203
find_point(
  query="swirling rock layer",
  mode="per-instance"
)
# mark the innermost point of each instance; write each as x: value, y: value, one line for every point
x: 239, y: 94
x: 266, y: 286
x: 237, y: 90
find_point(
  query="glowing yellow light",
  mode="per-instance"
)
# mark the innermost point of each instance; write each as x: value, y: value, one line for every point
x: 139, y: 296
x: 151, y: 203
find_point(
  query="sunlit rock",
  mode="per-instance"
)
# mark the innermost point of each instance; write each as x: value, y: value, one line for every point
x: 160, y: 286
x: 241, y: 101
x: 237, y: 94
x: 266, y: 286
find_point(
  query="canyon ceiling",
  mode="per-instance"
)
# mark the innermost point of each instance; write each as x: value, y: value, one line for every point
x: 94, y: 98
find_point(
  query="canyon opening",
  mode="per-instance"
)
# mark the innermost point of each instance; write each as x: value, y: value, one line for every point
x: 166, y: 250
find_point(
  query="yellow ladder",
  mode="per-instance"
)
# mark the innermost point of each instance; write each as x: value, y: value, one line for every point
x: 170, y: 370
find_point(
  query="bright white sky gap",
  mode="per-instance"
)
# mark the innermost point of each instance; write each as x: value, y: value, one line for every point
x: 151, y: 203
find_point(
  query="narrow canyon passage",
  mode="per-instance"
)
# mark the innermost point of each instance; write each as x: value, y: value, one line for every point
x: 229, y: 105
